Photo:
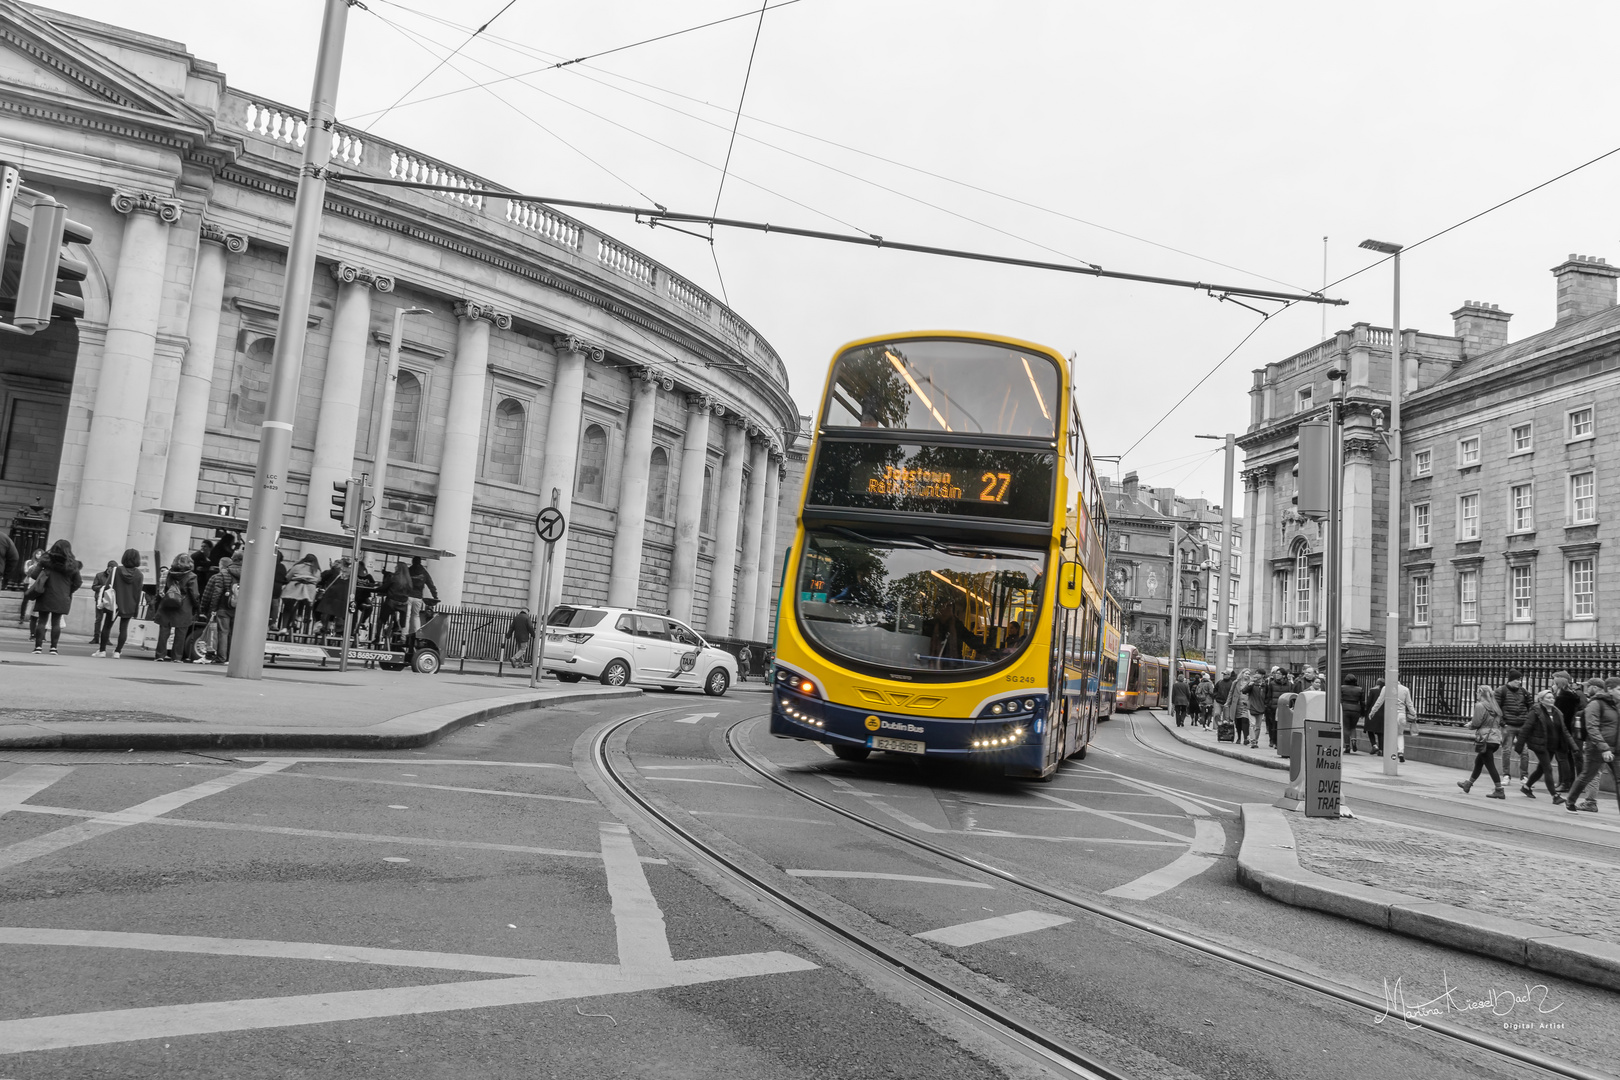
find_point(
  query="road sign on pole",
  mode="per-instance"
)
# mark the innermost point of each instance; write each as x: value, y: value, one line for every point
x: 549, y: 526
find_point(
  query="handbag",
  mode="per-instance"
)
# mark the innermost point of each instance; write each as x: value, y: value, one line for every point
x: 36, y: 588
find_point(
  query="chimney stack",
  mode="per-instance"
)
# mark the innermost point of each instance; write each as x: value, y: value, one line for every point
x: 1481, y: 326
x: 1585, y: 287
x: 1131, y: 483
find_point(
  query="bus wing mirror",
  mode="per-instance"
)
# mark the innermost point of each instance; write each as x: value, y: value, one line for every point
x: 1069, y: 578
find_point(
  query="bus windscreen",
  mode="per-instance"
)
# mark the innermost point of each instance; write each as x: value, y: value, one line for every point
x: 939, y: 385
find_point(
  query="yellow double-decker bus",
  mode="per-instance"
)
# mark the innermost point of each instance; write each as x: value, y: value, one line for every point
x: 943, y: 595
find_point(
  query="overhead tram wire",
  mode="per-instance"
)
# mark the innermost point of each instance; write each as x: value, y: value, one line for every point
x: 378, y: 118
x: 529, y: 51
x: 731, y: 145
x: 640, y: 135
x: 563, y: 63
x: 1369, y: 266
x: 415, y: 39
x: 659, y: 213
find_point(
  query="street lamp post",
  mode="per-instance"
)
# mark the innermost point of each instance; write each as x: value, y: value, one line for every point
x: 385, y: 417
x: 1392, y: 531
x: 1223, y: 622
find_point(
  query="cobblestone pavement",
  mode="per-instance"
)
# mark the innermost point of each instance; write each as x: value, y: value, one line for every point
x: 1572, y: 895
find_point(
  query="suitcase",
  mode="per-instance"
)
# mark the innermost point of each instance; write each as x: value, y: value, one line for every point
x: 1227, y: 732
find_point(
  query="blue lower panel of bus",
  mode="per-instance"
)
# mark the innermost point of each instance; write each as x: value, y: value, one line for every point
x: 1016, y: 741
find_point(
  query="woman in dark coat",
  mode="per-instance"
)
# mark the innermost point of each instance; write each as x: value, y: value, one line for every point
x: 333, y: 598
x: 126, y: 588
x: 60, y: 579
x: 1350, y: 710
x: 177, y: 608
x: 1543, y: 733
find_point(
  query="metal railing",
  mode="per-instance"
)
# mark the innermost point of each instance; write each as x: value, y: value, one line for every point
x: 1443, y: 678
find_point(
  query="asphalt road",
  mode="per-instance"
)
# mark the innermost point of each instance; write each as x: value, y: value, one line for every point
x: 475, y: 909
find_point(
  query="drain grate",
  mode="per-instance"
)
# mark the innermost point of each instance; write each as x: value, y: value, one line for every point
x: 1388, y: 847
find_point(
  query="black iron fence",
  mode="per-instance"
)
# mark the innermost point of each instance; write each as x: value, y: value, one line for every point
x: 1443, y: 678
x: 475, y: 633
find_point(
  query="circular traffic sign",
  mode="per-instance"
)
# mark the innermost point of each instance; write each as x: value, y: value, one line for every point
x: 549, y: 525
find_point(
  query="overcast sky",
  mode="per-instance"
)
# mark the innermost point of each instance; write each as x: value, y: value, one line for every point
x: 1238, y: 133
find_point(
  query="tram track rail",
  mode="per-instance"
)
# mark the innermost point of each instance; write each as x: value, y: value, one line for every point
x: 1299, y: 980
x: 1011, y: 1030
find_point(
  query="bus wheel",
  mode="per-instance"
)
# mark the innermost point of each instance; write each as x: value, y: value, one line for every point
x: 851, y: 753
x: 1080, y: 754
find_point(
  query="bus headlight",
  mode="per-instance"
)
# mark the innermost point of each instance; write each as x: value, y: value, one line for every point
x: 995, y: 710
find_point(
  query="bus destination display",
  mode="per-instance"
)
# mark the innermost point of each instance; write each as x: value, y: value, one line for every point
x: 964, y: 481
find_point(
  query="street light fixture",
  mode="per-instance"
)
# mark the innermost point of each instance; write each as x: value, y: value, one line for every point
x: 1392, y: 580
x: 385, y: 416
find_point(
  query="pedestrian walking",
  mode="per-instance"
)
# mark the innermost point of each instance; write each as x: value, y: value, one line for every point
x: 1223, y: 688
x: 125, y: 591
x: 1256, y: 694
x: 745, y: 661
x: 1570, y: 705
x: 30, y: 570
x: 298, y: 596
x: 1371, y: 721
x: 1404, y: 714
x: 518, y: 635
x: 1515, y: 702
x: 1204, y: 692
x: 1237, y: 706
x: 1277, y: 684
x: 1602, y: 718
x: 101, y: 596
x: 1489, y: 734
x: 1542, y: 734
x: 1180, y: 696
x: 55, y: 580
x: 1349, y: 710
x: 219, y: 606
x: 177, y: 609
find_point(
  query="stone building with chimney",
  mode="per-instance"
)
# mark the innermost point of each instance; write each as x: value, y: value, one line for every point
x: 1510, y: 455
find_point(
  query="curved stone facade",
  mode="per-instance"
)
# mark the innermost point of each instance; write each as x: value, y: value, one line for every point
x: 550, y: 356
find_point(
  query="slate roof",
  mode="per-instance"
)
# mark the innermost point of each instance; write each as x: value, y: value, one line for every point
x: 1605, y: 321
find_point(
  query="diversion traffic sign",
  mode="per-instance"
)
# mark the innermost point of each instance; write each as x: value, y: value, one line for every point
x: 549, y: 525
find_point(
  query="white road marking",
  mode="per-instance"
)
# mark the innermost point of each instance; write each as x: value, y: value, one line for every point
x: 972, y: 933
x: 102, y: 824
x: 435, y: 787
x: 698, y: 780
x: 877, y: 804
x: 1121, y: 819
x: 1102, y: 791
x: 887, y: 877
x: 643, y: 942
x: 1073, y: 839
x: 761, y: 817
x: 422, y: 761
x: 716, y: 765
x: 1068, y: 809
x: 1190, y: 802
x: 18, y: 787
x: 696, y: 717
x: 1207, y: 846
x: 322, y: 834
x: 394, y: 859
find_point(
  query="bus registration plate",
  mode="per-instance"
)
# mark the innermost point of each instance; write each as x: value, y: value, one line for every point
x: 904, y: 746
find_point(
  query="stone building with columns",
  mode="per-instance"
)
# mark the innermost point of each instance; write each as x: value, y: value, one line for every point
x: 1510, y: 457
x: 550, y: 356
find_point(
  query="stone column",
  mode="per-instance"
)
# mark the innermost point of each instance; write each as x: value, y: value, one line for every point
x: 196, y: 383
x: 689, y: 506
x: 753, y: 530
x: 558, y: 468
x: 458, y: 465
x: 338, y: 424
x: 1248, y: 616
x: 1358, y: 542
x: 768, y: 562
x: 112, y: 451
x: 624, y: 581
x: 1264, y: 551
x: 723, y: 584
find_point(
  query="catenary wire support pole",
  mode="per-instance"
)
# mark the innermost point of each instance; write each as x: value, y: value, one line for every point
x: 275, y: 434
x: 1223, y: 621
x: 1333, y: 557
x: 361, y: 513
x: 1392, y: 533
x: 1175, y: 607
x: 386, y: 416
x: 536, y: 669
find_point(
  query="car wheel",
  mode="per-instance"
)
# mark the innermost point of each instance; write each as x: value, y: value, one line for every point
x: 851, y: 753
x: 617, y: 673
x: 568, y: 676
x: 717, y: 683
x: 426, y: 661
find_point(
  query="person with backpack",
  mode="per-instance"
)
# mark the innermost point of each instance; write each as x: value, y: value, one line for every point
x: 1571, y: 705
x: 101, y: 594
x: 1204, y: 693
x: 219, y: 605
x: 126, y: 594
x: 1542, y: 734
x: 55, y: 581
x: 1602, y: 721
x: 1489, y: 734
x: 177, y: 609
x: 298, y: 597
x: 1515, y: 702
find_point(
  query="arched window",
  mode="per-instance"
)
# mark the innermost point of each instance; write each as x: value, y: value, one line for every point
x: 1303, y: 593
x: 592, y: 463
x: 407, y: 413
x: 657, y: 483
x: 707, y: 525
x: 506, y: 433
x: 250, y: 397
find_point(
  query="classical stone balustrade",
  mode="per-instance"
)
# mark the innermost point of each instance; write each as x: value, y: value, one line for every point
x: 687, y: 295
x: 279, y: 125
x: 405, y: 166
x: 632, y: 264
x: 545, y: 222
x: 731, y: 324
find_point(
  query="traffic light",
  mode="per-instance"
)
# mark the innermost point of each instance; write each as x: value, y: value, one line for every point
x: 347, y: 504
x: 33, y: 260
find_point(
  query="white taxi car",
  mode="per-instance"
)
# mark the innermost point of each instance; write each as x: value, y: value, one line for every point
x: 621, y: 647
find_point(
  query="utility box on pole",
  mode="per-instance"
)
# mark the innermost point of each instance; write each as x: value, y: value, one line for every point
x: 1315, y: 468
